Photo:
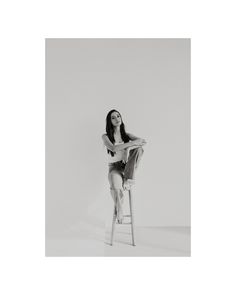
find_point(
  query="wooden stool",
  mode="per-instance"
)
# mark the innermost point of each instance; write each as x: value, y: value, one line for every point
x: 125, y: 223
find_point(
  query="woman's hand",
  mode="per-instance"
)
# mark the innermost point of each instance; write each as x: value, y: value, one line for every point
x: 139, y: 141
x: 126, y: 155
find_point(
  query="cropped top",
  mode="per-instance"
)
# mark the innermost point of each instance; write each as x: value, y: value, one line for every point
x: 118, y: 156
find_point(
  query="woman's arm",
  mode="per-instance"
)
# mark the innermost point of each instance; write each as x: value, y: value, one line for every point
x: 132, y: 147
x: 137, y: 140
x: 119, y: 147
x: 133, y: 137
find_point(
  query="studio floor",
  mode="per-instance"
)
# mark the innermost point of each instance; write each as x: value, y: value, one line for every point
x: 150, y: 241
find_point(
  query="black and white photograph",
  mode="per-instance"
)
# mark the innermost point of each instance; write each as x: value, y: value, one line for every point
x: 118, y: 147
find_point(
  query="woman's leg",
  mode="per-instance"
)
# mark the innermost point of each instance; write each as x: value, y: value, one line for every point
x: 116, y: 181
x: 131, y: 165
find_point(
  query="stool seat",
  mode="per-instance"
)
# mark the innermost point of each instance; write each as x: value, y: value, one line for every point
x: 114, y: 220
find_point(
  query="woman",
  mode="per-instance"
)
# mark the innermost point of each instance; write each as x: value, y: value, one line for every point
x: 124, y: 152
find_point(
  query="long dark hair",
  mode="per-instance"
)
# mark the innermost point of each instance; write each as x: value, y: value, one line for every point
x: 110, y: 130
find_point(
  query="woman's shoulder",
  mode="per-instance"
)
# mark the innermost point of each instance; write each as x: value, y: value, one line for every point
x: 105, y: 137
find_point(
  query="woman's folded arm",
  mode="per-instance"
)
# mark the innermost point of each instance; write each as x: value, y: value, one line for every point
x: 118, y: 147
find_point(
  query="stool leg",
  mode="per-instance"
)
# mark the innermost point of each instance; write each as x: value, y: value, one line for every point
x: 113, y: 224
x: 131, y: 215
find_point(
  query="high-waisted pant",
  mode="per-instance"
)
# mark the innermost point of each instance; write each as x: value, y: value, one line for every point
x: 119, y: 171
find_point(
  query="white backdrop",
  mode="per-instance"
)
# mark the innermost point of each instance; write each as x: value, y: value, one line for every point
x: 148, y: 81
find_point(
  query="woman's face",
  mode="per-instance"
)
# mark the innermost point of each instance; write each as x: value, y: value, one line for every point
x: 116, y: 119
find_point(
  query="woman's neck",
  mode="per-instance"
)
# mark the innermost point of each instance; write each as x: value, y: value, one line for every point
x: 117, y: 130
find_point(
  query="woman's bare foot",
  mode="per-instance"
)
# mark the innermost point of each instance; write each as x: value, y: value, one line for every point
x: 128, y: 183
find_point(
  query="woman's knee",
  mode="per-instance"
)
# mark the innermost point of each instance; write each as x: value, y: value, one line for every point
x: 139, y: 150
x: 115, y: 190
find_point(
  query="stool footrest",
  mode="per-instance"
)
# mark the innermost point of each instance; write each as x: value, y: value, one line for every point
x: 124, y: 223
